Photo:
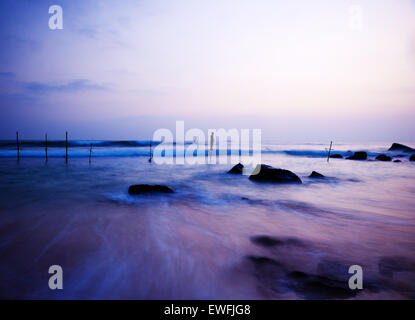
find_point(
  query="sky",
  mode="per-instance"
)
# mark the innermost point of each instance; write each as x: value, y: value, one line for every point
x: 302, y: 71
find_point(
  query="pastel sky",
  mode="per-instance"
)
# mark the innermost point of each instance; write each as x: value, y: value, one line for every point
x: 299, y: 70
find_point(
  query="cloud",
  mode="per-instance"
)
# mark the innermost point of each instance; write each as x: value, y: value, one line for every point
x: 88, y: 32
x: 7, y: 75
x: 10, y: 101
x: 72, y: 86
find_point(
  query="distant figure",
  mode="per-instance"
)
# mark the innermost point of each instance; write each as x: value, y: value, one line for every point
x: 212, y: 141
x: 151, y: 153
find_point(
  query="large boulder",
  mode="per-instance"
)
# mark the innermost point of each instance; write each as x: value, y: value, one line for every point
x: 316, y: 175
x: 412, y: 158
x: 361, y: 155
x: 336, y: 156
x: 383, y: 157
x: 274, y: 175
x: 144, y: 188
x: 400, y: 147
x: 237, y: 169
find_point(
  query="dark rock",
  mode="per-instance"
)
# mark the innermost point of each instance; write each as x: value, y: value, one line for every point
x: 412, y: 158
x: 316, y: 175
x: 267, y: 241
x: 358, y: 156
x: 401, y: 147
x: 144, y: 188
x: 397, y: 160
x: 319, y: 287
x: 237, y: 169
x: 270, y: 174
x: 383, y: 157
x: 390, y: 265
x: 336, y: 156
x: 260, y: 261
x: 277, y: 277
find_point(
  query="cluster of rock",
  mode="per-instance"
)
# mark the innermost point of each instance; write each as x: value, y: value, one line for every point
x: 402, y: 148
x: 265, y: 173
x: 362, y: 155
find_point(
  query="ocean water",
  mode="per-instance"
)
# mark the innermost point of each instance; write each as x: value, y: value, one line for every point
x: 219, y: 236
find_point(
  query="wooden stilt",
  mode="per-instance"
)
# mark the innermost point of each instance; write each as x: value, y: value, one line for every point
x: 66, y: 154
x: 18, y: 145
x: 46, y: 147
x: 328, y: 155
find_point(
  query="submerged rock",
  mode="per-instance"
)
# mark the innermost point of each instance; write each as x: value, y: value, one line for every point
x: 412, y: 158
x: 336, y: 156
x: 361, y: 155
x: 277, y: 277
x: 313, y: 286
x: 144, y: 188
x: 390, y: 265
x: 397, y: 160
x: 267, y: 241
x: 274, y: 175
x: 237, y: 169
x: 316, y: 175
x: 383, y: 157
x: 400, y: 147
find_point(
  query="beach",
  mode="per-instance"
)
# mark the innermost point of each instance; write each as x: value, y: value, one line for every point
x: 218, y: 236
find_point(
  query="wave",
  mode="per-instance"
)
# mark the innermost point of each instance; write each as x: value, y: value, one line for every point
x: 78, y: 143
x: 141, y: 148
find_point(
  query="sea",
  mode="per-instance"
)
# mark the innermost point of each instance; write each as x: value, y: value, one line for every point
x: 218, y: 236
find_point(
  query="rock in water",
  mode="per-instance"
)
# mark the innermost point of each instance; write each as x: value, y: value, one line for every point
x: 336, y: 156
x: 412, y: 158
x: 316, y: 175
x: 274, y: 175
x: 397, y: 160
x: 400, y: 147
x: 237, y: 169
x: 383, y: 157
x: 144, y: 188
x: 358, y: 156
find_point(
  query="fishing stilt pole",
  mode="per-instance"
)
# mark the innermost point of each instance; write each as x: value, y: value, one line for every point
x: 151, y: 152
x: 18, y: 145
x: 66, y: 148
x: 46, y: 147
x: 328, y: 154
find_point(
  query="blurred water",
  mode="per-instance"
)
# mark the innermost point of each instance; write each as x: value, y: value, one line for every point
x: 198, y: 242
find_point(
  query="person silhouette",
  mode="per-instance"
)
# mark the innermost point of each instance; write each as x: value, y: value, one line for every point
x: 212, y: 141
x: 151, y: 152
